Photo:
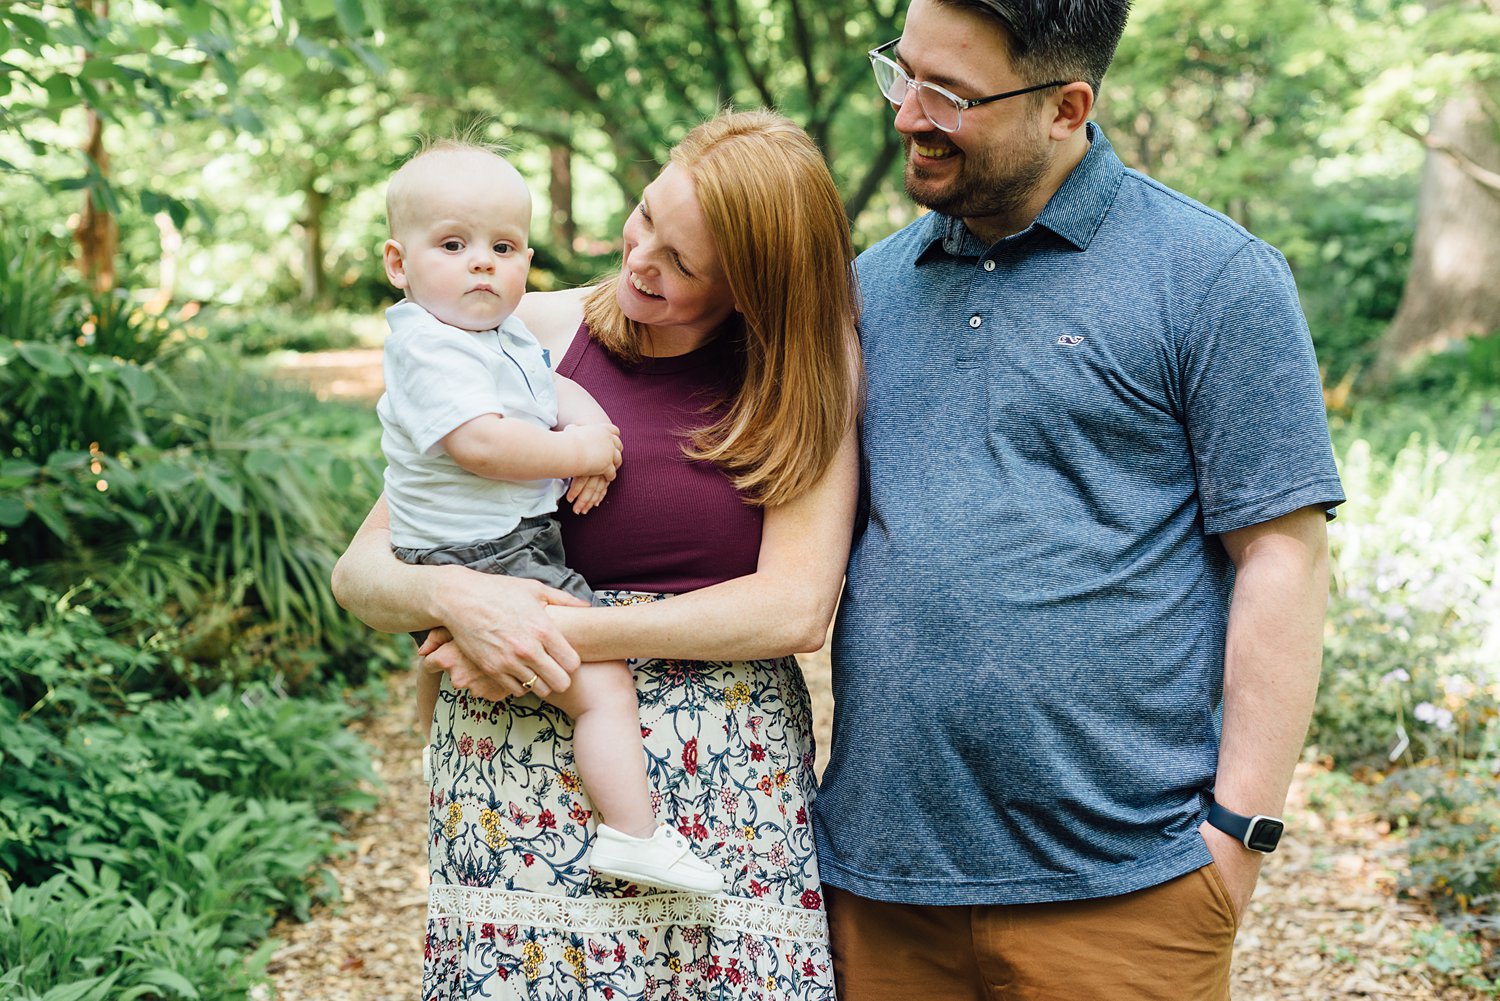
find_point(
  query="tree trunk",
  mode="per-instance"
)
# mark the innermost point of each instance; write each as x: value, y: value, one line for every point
x: 1451, y: 290
x: 314, y: 282
x: 98, y: 232
x: 560, y: 192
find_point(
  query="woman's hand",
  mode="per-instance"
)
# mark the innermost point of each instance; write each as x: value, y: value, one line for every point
x: 439, y: 654
x: 498, y: 641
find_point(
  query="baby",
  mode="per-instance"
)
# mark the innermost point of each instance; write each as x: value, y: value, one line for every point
x: 478, y: 435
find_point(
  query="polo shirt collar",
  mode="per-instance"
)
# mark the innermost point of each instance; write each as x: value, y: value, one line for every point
x: 1078, y: 208
x: 1075, y: 212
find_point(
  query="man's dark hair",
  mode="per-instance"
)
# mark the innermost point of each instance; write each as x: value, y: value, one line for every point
x: 1058, y: 39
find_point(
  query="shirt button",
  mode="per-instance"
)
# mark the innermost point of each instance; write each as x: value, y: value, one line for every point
x: 989, y: 265
x: 975, y: 321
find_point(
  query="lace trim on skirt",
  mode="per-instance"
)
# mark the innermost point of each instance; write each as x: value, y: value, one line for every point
x: 483, y: 905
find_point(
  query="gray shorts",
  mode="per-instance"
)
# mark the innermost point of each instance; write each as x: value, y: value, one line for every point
x: 533, y: 550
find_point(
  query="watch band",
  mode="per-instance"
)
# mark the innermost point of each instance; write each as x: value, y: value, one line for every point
x: 1259, y: 833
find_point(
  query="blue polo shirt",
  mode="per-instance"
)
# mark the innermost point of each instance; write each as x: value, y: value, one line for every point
x: 1028, y: 661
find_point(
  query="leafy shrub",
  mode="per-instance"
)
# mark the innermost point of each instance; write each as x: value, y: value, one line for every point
x: 1413, y: 644
x: 171, y: 475
x: 1351, y: 254
x: 80, y: 935
x: 1455, y: 841
x: 147, y: 843
x: 1469, y: 366
x: 1452, y: 821
x: 101, y: 762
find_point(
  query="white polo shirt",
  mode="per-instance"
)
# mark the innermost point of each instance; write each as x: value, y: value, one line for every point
x: 438, y: 377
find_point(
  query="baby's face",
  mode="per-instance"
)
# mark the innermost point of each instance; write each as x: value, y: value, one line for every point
x: 462, y: 251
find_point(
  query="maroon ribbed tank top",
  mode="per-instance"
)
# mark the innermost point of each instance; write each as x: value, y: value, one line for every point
x: 667, y: 523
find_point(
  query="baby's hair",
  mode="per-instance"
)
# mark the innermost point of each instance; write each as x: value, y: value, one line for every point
x: 470, y: 138
x: 473, y: 136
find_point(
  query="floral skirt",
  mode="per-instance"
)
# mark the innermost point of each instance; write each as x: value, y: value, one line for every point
x: 514, y: 911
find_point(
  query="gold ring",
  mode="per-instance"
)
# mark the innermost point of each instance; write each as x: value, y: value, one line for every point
x: 527, y: 684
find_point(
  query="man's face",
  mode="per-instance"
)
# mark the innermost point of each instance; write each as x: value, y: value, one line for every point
x: 995, y: 161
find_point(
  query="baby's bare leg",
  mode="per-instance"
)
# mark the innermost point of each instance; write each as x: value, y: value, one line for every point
x: 607, y: 744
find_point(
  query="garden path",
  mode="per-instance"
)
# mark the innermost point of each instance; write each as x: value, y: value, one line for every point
x: 1326, y: 923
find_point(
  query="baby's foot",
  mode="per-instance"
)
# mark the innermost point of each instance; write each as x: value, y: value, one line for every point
x: 664, y: 859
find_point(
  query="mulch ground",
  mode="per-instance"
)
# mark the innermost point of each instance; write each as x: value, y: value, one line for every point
x: 1326, y: 923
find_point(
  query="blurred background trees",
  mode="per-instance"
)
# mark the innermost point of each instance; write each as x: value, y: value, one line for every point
x: 231, y: 152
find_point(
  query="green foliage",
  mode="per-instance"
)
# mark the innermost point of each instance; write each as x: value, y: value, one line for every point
x: 152, y: 63
x: 1411, y: 682
x: 1455, y: 844
x: 99, y: 742
x: 81, y: 936
x: 1469, y: 367
x: 1414, y: 619
x: 1351, y: 255
x: 180, y: 478
x: 1452, y: 821
x: 1455, y: 957
x: 147, y: 843
x: 617, y: 82
x: 278, y: 328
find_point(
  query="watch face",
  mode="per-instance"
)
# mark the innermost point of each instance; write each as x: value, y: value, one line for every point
x: 1265, y: 835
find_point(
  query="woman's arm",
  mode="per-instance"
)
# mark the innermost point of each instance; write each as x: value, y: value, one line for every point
x: 553, y: 318
x: 783, y: 607
x: 500, y: 622
x: 576, y: 405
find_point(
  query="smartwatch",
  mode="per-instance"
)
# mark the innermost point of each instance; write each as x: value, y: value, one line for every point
x: 1258, y: 833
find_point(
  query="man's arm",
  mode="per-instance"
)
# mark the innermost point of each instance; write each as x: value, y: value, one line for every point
x: 1273, y: 655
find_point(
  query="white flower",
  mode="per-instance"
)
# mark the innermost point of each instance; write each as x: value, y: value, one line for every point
x: 1399, y: 674
x: 1429, y: 713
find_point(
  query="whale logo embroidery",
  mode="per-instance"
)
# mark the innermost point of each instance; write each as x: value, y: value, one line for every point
x: 1071, y: 340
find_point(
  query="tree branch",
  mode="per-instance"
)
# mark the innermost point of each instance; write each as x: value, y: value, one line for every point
x: 715, y: 41
x: 741, y: 49
x: 803, y: 39
x: 625, y: 141
x: 1487, y: 179
x: 875, y: 176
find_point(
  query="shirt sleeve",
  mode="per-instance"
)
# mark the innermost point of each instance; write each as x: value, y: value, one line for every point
x: 436, y: 379
x: 1253, y: 399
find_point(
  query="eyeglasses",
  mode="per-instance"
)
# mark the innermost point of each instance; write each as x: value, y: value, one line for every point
x: 941, y: 107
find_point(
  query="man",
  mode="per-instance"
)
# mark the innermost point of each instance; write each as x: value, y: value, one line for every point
x: 1098, y: 474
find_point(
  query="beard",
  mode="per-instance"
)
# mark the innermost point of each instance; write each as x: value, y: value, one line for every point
x: 989, y: 184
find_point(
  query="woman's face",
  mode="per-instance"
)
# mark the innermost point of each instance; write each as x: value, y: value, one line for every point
x: 673, y: 280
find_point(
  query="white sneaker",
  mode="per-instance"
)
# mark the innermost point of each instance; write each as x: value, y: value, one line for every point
x: 665, y: 859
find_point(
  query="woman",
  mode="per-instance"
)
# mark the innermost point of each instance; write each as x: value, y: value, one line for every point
x: 725, y: 352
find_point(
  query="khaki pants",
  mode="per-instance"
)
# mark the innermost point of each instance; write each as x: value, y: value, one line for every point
x: 1166, y: 943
